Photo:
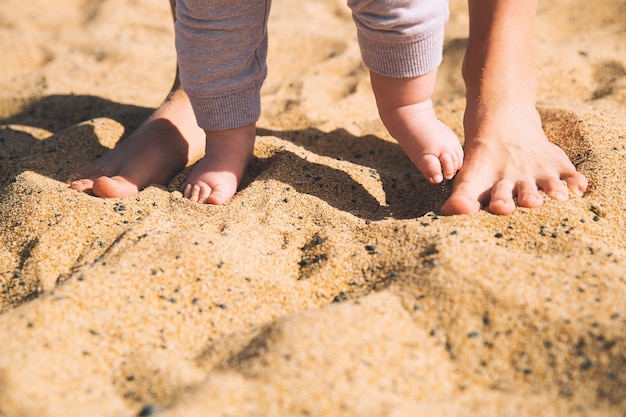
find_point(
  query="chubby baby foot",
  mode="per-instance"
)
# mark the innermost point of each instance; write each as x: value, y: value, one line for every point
x: 215, y: 178
x: 406, y: 109
x: 428, y: 142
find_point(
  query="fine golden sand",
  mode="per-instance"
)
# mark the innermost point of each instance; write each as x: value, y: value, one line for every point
x: 328, y: 286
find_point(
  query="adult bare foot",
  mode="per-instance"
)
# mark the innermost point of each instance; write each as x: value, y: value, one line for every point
x: 214, y: 179
x: 507, y: 158
x: 159, y: 149
x: 507, y: 155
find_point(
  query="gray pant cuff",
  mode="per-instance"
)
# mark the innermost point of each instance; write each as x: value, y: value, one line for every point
x: 403, y: 57
x: 229, y: 111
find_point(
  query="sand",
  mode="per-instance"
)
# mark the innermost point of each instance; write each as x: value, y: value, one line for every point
x: 328, y: 286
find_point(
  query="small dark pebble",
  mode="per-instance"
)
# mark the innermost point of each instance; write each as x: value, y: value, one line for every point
x: 370, y: 248
x: 222, y: 306
x: 319, y: 240
x: 148, y: 411
x: 313, y: 260
x: 94, y: 332
x: 473, y: 335
x: 341, y: 297
x: 498, y: 235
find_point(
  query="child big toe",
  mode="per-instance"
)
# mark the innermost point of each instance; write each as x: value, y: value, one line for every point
x: 430, y: 166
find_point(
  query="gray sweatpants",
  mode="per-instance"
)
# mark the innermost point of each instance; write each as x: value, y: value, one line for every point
x: 222, y: 50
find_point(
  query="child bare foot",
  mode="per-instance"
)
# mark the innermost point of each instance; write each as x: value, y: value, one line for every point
x: 407, y: 111
x: 214, y: 179
x: 159, y: 149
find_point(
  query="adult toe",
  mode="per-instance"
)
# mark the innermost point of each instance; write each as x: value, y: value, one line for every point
x: 576, y: 182
x: 465, y: 199
x: 501, y: 198
x: 84, y: 184
x: 114, y: 187
x: 554, y: 188
x: 527, y: 194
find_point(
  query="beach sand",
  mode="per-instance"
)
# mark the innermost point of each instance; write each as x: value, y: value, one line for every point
x: 328, y: 286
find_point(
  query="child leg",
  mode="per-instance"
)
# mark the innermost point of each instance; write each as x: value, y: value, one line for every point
x: 407, y: 112
x: 222, y: 49
x: 401, y: 43
x: 507, y: 154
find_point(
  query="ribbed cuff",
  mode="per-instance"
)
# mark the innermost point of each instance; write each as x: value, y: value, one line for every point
x: 229, y: 111
x: 402, y: 57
